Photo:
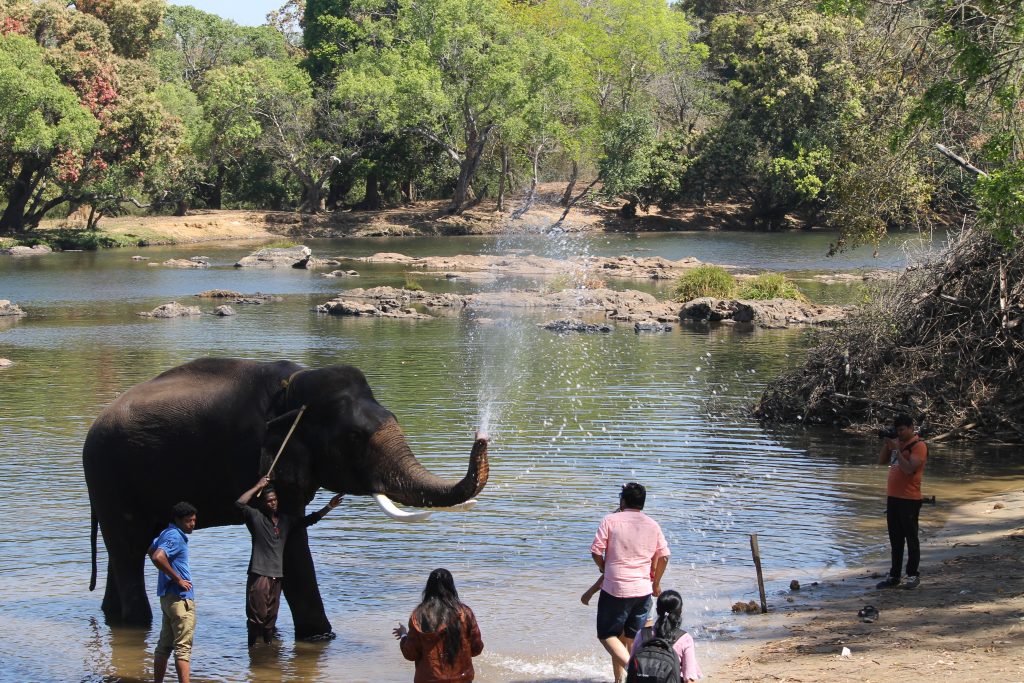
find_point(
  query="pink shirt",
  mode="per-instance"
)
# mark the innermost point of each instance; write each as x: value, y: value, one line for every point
x: 630, y: 541
x: 688, y: 666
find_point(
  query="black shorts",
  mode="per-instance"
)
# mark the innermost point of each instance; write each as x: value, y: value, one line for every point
x: 621, y: 616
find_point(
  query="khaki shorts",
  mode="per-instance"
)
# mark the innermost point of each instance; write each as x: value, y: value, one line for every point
x: 178, y: 627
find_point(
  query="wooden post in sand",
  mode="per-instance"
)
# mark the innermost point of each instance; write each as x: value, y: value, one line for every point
x: 756, y: 552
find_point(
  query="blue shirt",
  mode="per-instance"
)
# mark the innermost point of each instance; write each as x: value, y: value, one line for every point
x: 174, y: 543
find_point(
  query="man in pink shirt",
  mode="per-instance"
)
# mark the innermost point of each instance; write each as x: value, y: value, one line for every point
x: 632, y: 554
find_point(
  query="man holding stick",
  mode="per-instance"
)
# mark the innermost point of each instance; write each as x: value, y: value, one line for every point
x: 269, y: 529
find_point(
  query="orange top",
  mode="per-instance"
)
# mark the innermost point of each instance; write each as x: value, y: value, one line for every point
x: 901, y: 484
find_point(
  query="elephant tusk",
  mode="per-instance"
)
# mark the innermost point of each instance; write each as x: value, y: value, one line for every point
x: 395, y: 512
x: 461, y: 507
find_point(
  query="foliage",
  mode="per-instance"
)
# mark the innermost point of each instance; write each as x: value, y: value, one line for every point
x: 770, y: 286
x: 705, y: 280
x: 412, y: 285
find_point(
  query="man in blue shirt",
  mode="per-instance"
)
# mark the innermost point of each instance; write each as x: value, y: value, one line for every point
x: 169, y: 552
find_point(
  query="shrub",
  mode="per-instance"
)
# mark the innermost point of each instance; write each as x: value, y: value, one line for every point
x: 770, y: 286
x: 705, y: 281
x: 413, y: 285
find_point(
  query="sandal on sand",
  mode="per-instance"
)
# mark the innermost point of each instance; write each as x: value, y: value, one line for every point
x: 868, y: 614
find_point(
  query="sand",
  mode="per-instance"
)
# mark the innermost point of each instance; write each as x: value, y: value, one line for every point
x: 964, y: 622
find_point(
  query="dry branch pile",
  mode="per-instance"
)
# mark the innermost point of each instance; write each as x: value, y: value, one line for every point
x: 944, y: 343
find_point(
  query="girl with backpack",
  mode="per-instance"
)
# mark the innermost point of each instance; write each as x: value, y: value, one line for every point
x: 659, y: 649
x: 443, y: 636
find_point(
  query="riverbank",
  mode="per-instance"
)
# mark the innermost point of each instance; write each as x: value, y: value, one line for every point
x: 422, y: 218
x: 965, y: 621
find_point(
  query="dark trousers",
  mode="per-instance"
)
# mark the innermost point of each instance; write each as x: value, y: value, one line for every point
x: 262, y: 602
x: 901, y: 515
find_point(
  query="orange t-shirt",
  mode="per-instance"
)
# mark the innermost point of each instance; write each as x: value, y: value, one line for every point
x: 901, y: 484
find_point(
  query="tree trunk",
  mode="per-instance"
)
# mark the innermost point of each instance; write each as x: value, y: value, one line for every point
x: 371, y: 200
x: 501, y: 179
x: 521, y: 211
x: 217, y: 195
x: 181, y: 208
x: 13, y: 219
x: 409, y: 190
x: 467, y: 169
x: 567, y: 195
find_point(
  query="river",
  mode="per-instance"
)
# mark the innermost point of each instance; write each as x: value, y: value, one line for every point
x: 572, y: 417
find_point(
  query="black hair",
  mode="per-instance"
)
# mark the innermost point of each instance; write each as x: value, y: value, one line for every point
x: 182, y: 510
x: 633, y: 495
x: 269, y: 488
x: 903, y: 420
x: 670, y: 614
x: 441, y: 607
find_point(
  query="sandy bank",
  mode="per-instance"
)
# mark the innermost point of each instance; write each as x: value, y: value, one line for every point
x: 965, y: 621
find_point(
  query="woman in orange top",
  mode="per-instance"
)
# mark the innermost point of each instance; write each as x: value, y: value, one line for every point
x: 905, y: 456
x: 443, y: 636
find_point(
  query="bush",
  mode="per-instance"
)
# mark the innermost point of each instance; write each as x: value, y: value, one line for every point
x: 413, y: 285
x: 705, y: 281
x: 770, y: 286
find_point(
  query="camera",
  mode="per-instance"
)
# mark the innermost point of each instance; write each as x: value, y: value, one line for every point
x: 886, y: 433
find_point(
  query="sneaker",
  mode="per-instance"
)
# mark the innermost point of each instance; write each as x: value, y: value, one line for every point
x: 888, y: 582
x: 911, y: 582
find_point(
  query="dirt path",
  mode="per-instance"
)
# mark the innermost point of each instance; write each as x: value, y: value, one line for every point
x: 965, y: 622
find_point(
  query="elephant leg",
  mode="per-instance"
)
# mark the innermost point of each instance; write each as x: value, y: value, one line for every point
x: 126, y: 552
x: 301, y: 590
x: 111, y: 595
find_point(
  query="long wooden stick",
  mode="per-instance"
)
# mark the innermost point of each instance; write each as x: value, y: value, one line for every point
x: 756, y: 552
x: 285, y: 442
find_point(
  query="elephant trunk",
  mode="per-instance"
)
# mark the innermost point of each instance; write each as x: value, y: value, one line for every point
x: 405, y: 480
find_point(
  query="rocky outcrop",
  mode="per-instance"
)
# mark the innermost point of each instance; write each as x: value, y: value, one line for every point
x: 574, y: 325
x: 171, y: 310
x: 620, y: 266
x: 10, y: 309
x: 768, y: 313
x: 238, y: 297
x: 285, y: 257
x: 36, y: 250
x: 383, y: 309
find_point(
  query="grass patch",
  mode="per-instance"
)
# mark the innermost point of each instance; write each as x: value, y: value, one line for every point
x: 8, y: 242
x: 705, y: 281
x: 413, y: 285
x: 279, y: 244
x: 771, y: 286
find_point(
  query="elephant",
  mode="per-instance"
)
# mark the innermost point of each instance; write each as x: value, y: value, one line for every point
x: 204, y: 431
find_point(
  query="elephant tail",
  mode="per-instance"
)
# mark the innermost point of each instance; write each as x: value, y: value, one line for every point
x: 95, y: 524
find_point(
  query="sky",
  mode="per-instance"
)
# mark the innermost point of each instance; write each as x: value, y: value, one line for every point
x: 244, y: 12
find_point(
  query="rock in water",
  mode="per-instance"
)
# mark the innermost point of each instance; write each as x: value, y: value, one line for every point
x: 171, y: 310
x: 184, y: 263
x: 224, y: 311
x: 574, y: 325
x: 37, y: 250
x: 7, y: 308
x: 651, y: 326
x: 6, y: 362
x: 288, y: 257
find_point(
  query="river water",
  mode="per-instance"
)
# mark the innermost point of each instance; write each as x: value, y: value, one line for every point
x: 572, y: 417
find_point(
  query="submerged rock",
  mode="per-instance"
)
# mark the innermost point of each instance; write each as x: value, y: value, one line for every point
x: 342, y: 273
x: 651, y: 326
x: 8, y: 308
x: 171, y: 309
x: 224, y: 311
x: 574, y: 325
x: 238, y: 297
x: 140, y: 258
x: 284, y: 257
x: 183, y: 263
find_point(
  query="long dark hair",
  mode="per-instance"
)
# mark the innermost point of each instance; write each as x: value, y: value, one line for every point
x: 441, y: 607
x: 670, y: 614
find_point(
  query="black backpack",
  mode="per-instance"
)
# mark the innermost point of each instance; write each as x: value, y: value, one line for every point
x: 655, y: 661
